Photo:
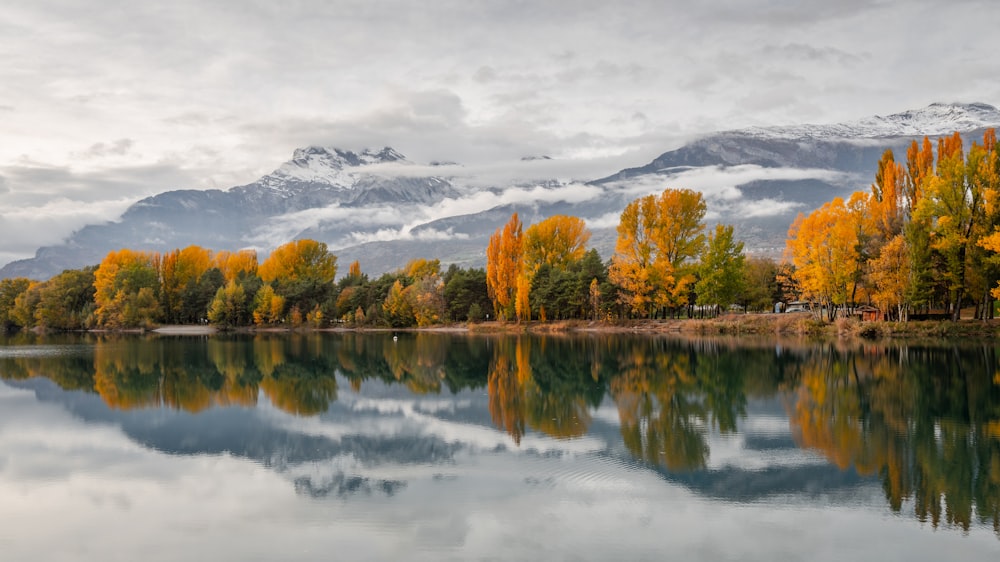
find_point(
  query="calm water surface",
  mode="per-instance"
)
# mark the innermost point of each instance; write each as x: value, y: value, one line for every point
x: 441, y: 447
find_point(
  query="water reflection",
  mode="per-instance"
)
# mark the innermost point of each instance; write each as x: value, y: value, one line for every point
x: 922, y: 420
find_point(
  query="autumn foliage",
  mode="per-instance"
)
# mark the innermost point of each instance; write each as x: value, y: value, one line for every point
x: 924, y: 237
x: 659, y: 241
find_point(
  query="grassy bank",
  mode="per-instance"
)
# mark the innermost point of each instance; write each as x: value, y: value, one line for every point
x: 795, y: 324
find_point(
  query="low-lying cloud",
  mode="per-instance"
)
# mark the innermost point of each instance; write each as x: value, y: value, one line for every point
x: 395, y: 222
x: 26, y: 228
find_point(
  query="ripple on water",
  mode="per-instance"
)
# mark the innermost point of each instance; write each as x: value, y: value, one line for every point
x: 18, y: 351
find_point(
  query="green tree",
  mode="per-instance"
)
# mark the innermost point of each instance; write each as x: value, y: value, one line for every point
x: 197, y: 296
x: 228, y: 308
x: 464, y: 288
x: 25, y: 304
x: 760, y: 286
x: 66, y: 302
x: 10, y: 289
x: 722, y: 270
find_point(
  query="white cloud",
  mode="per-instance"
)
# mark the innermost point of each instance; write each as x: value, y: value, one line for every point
x: 760, y: 208
x: 393, y: 222
x: 25, y: 228
x: 607, y: 220
x: 720, y: 187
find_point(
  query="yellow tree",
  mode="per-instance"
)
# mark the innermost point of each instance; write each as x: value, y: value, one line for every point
x: 297, y: 260
x: 987, y: 172
x: 659, y: 241
x: 823, y: 246
x: 632, y: 264
x: 557, y: 241
x: 992, y: 243
x: 229, y: 305
x: 890, y: 275
x: 919, y: 166
x: 302, y: 271
x: 232, y: 264
x: 268, y: 306
x: 862, y: 215
x: 503, y: 266
x: 398, y: 306
x: 180, y: 269
x: 355, y: 270
x: 425, y: 293
x: 419, y: 268
x: 679, y: 235
x: 427, y: 297
x: 888, y: 198
x: 125, y: 286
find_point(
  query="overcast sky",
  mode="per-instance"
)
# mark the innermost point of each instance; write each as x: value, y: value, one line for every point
x: 105, y: 102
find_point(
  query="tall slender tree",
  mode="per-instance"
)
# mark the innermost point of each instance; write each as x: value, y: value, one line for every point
x: 503, y: 266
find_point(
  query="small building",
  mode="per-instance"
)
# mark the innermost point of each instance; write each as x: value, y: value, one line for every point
x: 868, y: 313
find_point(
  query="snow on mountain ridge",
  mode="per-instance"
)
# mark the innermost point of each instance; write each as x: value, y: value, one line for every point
x: 328, y: 165
x: 933, y: 120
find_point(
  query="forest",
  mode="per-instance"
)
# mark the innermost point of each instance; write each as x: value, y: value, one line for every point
x: 922, y: 239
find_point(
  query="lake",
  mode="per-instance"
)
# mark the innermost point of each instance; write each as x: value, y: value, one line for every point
x: 473, y: 447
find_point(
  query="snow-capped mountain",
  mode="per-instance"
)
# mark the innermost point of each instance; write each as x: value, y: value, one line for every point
x: 852, y: 147
x: 330, y: 166
x: 934, y: 120
x: 320, y: 175
x: 377, y: 207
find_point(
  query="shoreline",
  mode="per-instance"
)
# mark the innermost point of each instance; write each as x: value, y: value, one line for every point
x: 802, y: 324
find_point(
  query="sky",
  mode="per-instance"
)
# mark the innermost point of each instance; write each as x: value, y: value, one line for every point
x: 103, y: 103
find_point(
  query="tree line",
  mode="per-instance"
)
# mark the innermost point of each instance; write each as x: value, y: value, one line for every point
x: 664, y: 265
x: 924, y: 237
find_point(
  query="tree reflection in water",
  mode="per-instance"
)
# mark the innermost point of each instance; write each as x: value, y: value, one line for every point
x: 924, y: 420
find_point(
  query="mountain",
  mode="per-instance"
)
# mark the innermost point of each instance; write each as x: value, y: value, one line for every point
x: 376, y: 207
x: 315, y: 178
